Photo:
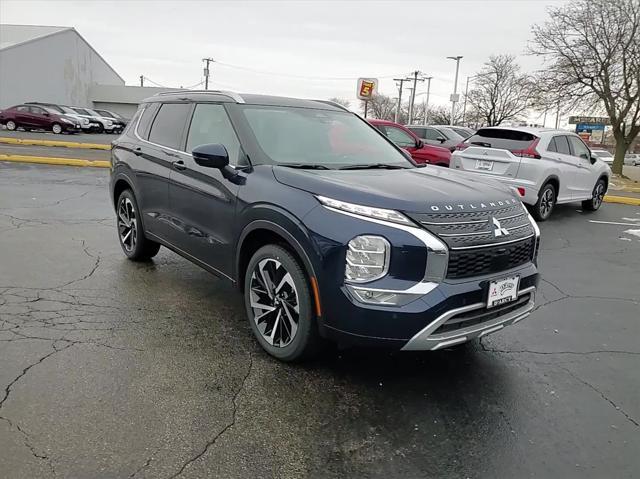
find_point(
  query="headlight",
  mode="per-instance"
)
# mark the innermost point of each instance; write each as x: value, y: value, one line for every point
x: 85, y: 121
x: 67, y: 121
x: 371, y: 212
x: 367, y: 258
x: 108, y: 122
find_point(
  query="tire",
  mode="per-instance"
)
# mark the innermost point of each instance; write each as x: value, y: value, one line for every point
x: 11, y: 125
x: 274, y: 324
x: 135, y: 245
x: 545, y: 204
x: 56, y: 128
x: 598, y: 194
x: 100, y: 129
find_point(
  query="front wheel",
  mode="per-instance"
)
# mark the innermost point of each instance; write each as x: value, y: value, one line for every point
x: 598, y: 196
x: 133, y: 241
x: 546, y: 201
x: 56, y: 128
x: 278, y: 303
x: 11, y: 125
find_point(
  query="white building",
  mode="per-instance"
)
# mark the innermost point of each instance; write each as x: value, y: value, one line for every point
x: 57, y: 65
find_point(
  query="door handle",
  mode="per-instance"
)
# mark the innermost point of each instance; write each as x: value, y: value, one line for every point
x: 137, y: 151
x: 179, y: 165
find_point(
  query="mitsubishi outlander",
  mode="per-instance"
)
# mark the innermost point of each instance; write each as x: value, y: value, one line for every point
x: 328, y: 229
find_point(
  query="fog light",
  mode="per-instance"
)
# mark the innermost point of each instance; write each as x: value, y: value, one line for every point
x: 380, y: 297
x: 367, y: 258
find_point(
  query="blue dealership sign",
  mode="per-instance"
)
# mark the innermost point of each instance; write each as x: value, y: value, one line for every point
x: 589, y: 127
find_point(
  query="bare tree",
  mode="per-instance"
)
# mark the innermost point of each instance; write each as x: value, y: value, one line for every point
x: 441, y: 115
x: 500, y: 91
x: 381, y: 107
x: 341, y: 101
x: 591, y: 50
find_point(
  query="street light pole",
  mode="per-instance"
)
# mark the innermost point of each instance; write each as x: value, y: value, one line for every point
x: 454, y: 97
x: 206, y: 72
x: 413, y: 94
x: 464, y: 108
x: 426, y: 106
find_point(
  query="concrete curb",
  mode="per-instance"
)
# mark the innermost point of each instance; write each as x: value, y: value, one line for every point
x: 65, y: 144
x: 623, y: 200
x: 49, y: 160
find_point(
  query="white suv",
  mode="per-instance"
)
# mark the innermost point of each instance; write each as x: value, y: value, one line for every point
x: 545, y: 166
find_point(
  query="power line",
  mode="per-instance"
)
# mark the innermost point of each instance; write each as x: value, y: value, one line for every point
x: 290, y: 75
x: 151, y: 81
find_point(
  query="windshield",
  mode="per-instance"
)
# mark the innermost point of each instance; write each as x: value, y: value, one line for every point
x: 104, y: 113
x: 603, y: 153
x: 332, y: 139
x: 81, y: 111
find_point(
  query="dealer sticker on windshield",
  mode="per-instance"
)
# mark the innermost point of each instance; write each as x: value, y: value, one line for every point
x: 484, y: 165
x: 503, y: 291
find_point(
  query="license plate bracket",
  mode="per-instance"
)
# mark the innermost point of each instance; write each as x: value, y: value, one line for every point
x: 502, y: 291
x: 486, y: 165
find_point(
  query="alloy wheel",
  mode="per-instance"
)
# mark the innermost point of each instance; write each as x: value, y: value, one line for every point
x: 274, y: 302
x: 57, y: 129
x: 11, y: 125
x: 546, y: 203
x: 127, y: 224
x: 598, y: 195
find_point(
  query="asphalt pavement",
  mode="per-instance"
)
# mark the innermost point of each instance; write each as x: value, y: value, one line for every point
x: 114, y: 369
x: 104, y: 138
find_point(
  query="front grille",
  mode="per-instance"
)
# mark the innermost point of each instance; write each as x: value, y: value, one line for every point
x: 477, y: 228
x: 491, y: 259
x: 479, y: 316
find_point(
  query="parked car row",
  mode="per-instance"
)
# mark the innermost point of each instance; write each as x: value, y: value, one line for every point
x: 61, y: 118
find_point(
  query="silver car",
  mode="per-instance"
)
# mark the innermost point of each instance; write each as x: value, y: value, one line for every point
x: 545, y: 166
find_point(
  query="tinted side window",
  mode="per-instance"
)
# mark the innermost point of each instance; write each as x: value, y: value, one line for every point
x: 210, y: 124
x: 399, y: 137
x: 420, y: 132
x: 578, y: 148
x: 148, y: 114
x: 562, y: 145
x: 168, y: 125
x: 36, y: 110
x: 23, y: 108
x: 552, y: 146
x: 431, y: 134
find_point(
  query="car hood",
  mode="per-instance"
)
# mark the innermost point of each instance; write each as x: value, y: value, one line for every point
x: 416, y: 190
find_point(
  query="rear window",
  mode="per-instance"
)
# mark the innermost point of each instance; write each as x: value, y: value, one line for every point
x: 512, y: 140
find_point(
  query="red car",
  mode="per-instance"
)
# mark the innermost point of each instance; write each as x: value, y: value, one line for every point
x: 36, y: 117
x: 405, y: 138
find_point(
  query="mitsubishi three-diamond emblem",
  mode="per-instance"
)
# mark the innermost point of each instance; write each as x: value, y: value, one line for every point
x: 499, y: 230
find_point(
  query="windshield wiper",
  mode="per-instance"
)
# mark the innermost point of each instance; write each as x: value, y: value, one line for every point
x: 373, y: 166
x: 305, y: 166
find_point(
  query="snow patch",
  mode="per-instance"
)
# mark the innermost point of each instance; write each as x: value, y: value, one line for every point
x: 631, y: 219
x: 633, y: 232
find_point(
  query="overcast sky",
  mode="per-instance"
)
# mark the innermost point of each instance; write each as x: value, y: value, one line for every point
x: 296, y: 48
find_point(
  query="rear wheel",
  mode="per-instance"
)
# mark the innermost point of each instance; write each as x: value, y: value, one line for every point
x: 11, y: 125
x: 133, y: 241
x: 56, y: 128
x: 546, y: 201
x: 598, y: 196
x: 278, y: 303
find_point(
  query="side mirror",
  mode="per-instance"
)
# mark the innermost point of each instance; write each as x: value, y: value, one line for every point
x: 441, y: 139
x: 592, y: 159
x: 46, y: 113
x: 419, y: 144
x: 211, y: 155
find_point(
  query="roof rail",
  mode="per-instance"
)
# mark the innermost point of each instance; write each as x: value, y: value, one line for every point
x: 230, y: 94
x: 333, y: 103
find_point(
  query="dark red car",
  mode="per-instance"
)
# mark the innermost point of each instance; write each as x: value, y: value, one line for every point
x: 405, y: 138
x: 35, y: 117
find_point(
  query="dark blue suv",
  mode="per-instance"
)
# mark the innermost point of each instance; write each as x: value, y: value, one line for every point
x: 328, y: 229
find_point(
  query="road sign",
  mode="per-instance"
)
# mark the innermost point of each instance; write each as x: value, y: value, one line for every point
x: 589, y: 127
x: 454, y: 97
x: 366, y: 88
x: 592, y: 120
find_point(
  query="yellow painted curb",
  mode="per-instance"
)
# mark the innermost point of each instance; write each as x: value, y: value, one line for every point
x: 623, y: 200
x: 66, y: 144
x: 48, y: 160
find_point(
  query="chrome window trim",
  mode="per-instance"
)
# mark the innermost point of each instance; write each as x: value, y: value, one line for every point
x: 182, y: 152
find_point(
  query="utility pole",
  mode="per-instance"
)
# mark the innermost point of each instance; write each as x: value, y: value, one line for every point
x: 141, y: 80
x: 558, y: 115
x: 413, y: 94
x: 400, y: 86
x: 426, y: 106
x: 464, y: 108
x: 206, y: 72
x: 454, y: 97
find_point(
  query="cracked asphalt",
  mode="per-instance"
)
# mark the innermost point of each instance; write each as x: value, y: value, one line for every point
x: 110, y: 369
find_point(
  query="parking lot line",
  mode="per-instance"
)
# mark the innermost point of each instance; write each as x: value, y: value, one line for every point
x: 48, y: 160
x: 57, y: 143
x: 612, y: 223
